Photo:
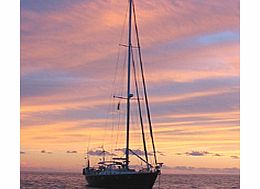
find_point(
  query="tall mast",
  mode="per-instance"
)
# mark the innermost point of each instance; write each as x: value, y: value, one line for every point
x: 128, y: 84
x: 144, y: 85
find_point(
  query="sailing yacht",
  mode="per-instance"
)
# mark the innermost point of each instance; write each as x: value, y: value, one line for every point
x: 117, y: 172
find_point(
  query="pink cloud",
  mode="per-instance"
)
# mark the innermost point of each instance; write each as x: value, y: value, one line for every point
x: 88, y: 32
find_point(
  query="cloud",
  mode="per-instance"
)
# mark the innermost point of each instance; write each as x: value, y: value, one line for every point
x: 197, y: 153
x: 218, y: 102
x: 141, y: 152
x: 205, y: 153
x: 47, y: 5
x: 45, y: 152
x: 234, y: 157
x: 89, y: 44
x: 43, y: 83
x: 100, y: 153
x: 217, y: 155
x: 136, y: 151
x: 71, y: 152
x: 161, y: 153
x: 85, y: 109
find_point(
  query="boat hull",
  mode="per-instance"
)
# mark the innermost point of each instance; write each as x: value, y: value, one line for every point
x: 126, y: 181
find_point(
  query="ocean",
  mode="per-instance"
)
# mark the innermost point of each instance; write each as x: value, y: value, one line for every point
x: 38, y: 180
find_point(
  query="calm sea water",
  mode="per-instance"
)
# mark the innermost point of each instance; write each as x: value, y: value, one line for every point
x: 73, y: 180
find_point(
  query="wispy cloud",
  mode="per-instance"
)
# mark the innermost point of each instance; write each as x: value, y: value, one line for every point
x: 217, y: 155
x: 197, y: 153
x: 100, y: 153
x: 205, y: 153
x: 45, y: 152
x: 134, y: 151
x: 71, y: 152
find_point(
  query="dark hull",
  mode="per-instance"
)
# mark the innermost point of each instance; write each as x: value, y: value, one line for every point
x: 125, y: 181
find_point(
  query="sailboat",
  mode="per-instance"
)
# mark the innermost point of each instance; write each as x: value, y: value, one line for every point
x: 117, y: 172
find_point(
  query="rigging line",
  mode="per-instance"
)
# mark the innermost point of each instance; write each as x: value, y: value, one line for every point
x: 112, y: 121
x: 121, y: 134
x: 142, y: 103
x: 144, y: 84
x: 135, y: 119
x: 113, y: 127
x: 134, y: 50
x: 123, y: 76
x: 118, y: 124
x: 110, y: 107
x: 137, y: 78
x: 137, y: 136
x: 124, y: 23
x: 122, y: 110
x: 120, y: 92
x: 111, y: 102
x: 136, y: 126
x: 121, y: 36
x: 140, y: 110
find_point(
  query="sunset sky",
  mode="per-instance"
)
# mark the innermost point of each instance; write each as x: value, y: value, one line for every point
x: 191, y: 53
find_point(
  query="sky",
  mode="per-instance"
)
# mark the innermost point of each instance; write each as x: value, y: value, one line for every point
x: 191, y: 54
